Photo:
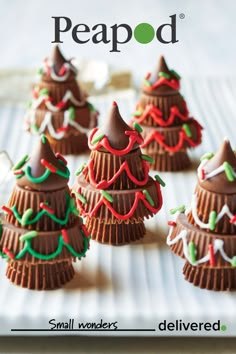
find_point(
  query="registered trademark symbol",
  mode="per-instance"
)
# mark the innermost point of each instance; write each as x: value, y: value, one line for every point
x: 182, y: 16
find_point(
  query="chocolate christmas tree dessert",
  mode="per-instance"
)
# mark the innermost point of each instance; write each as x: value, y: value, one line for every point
x: 205, y: 236
x: 163, y: 115
x: 42, y: 233
x: 59, y: 108
x: 114, y: 191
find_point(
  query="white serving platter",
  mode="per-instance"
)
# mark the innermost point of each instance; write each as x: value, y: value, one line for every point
x: 138, y: 285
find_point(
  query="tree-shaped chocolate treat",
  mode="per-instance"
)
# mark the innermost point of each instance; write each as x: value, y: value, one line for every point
x: 42, y: 233
x: 59, y: 109
x: 114, y: 191
x: 163, y: 115
x: 205, y: 236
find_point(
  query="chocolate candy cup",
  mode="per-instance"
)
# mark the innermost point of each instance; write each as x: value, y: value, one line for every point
x: 123, y: 200
x: 202, y: 239
x: 115, y: 234
x: 221, y: 276
x: 209, y: 201
x: 58, y: 90
x: 217, y: 279
x: 166, y: 162
x: 113, y: 163
x: 82, y: 116
x: 171, y: 137
x: 40, y: 276
x: 50, y: 114
x: 72, y: 145
x: 42, y: 233
x: 74, y: 141
x: 220, y: 183
x: 45, y: 243
x: 164, y: 103
x: 163, y: 159
x: 24, y: 199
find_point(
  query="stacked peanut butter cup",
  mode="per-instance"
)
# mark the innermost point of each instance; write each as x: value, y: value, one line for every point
x: 162, y: 112
x: 42, y: 232
x: 59, y: 108
x: 114, y: 190
x: 205, y: 235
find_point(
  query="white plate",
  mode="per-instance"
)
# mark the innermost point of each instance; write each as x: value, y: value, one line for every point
x: 141, y: 284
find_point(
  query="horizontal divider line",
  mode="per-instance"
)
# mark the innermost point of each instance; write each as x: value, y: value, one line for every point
x: 81, y: 330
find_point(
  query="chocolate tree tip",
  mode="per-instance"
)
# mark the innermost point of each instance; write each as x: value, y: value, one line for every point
x: 162, y: 66
x: 57, y: 58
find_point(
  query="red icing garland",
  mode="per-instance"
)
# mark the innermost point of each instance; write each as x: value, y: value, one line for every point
x: 85, y: 231
x: 48, y: 99
x: 7, y: 210
x: 59, y: 105
x: 138, y: 196
x: 47, y: 208
x: 8, y: 253
x: 61, y: 72
x: 65, y: 236
x: 48, y: 165
x: 47, y: 68
x: 174, y: 84
x: 134, y: 137
x: 60, y: 157
x: 62, y: 129
x: 212, y: 256
x: 124, y: 167
x: 156, y: 114
x: 154, y: 135
x: 233, y: 219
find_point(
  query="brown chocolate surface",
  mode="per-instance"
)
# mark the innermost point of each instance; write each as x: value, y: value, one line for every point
x: 166, y: 162
x: 113, y: 164
x: 209, y: 201
x: 82, y: 117
x: 40, y: 276
x: 164, y: 103
x: 221, y: 276
x: 114, y: 129
x: 45, y: 243
x: 216, y: 279
x: 57, y: 58
x: 24, y: 199
x: 115, y: 234
x: 202, y: 239
x: 42, y: 234
x: 54, y: 181
x: 72, y: 144
x: 73, y: 139
x: 57, y: 91
x: 123, y: 201
x: 220, y: 183
x: 172, y: 136
x: 163, y: 89
x: 217, y: 272
x: 57, y: 61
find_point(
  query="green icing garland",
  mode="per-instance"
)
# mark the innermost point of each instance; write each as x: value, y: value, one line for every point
x: 46, y: 257
x: 24, y: 219
x: 49, y: 168
x: 36, y: 179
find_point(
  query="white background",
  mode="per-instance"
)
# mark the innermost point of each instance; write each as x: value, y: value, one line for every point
x: 206, y: 46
